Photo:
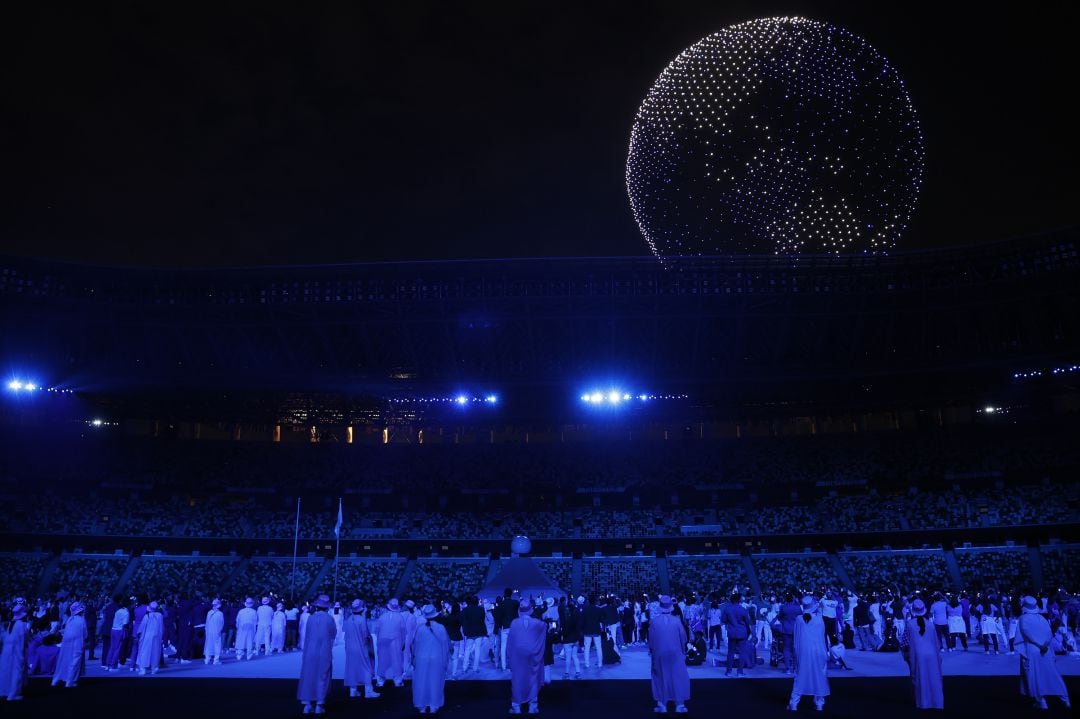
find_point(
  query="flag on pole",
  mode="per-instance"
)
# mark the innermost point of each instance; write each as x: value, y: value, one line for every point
x: 337, y: 527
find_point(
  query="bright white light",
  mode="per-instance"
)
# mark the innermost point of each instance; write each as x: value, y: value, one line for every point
x: 462, y: 399
x: 990, y: 410
x: 586, y: 398
x: 614, y: 397
x: 29, y: 386
x: 642, y: 397
x: 15, y: 385
x: 492, y: 399
x: 597, y: 398
x: 97, y: 423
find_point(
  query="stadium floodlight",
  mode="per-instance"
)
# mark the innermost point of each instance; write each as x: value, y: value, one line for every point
x: 491, y: 399
x: 15, y: 385
x: 462, y: 399
x: 97, y: 423
x: 597, y: 398
x: 614, y: 397
x: 29, y: 386
x: 990, y: 410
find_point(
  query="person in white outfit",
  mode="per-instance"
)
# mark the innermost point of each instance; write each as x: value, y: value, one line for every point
x: 215, y: 624
x: 277, y: 630
x: 246, y: 620
x: 264, y: 617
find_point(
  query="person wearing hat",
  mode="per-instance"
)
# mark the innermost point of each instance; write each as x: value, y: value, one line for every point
x: 305, y: 615
x: 151, y: 632
x: 409, y: 613
x: 921, y: 650
x: 264, y: 616
x: 667, y: 651
x: 358, y: 669
x: 1039, y: 675
x: 316, y: 661
x: 390, y: 635
x: 525, y: 642
x: 215, y: 623
x: 811, y: 656
x: 430, y: 652
x: 277, y: 630
x: 70, y: 662
x: 246, y: 622
x: 16, y: 634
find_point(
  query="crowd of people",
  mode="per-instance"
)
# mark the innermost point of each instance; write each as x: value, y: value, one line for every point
x: 152, y: 516
x: 796, y: 631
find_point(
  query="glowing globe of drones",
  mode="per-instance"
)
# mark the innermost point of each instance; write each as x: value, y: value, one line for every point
x: 520, y: 545
x: 776, y: 136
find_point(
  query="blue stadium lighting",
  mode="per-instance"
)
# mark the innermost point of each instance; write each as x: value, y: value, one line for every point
x: 491, y: 399
x: 461, y: 399
x: 618, y: 397
x: 17, y: 385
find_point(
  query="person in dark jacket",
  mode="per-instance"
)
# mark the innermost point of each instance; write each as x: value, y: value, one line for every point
x: 472, y: 626
x: 789, y: 612
x: 592, y: 620
x: 737, y: 623
x: 508, y: 612
x: 696, y: 650
x: 570, y: 625
x: 108, y: 614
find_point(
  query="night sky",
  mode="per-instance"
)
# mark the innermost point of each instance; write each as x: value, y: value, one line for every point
x: 300, y: 134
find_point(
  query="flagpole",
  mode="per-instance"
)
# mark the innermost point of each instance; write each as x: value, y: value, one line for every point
x: 337, y: 547
x: 296, y: 541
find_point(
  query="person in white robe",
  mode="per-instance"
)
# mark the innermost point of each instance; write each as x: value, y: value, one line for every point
x: 391, y: 635
x: 667, y: 654
x: 151, y: 631
x: 1039, y: 675
x: 316, y: 661
x: 525, y: 642
x: 305, y: 615
x: 72, y: 659
x: 264, y: 618
x: 358, y: 668
x: 430, y: 653
x: 16, y: 639
x: 411, y: 622
x: 811, y: 656
x: 246, y: 622
x: 922, y: 651
x: 277, y: 630
x: 215, y: 625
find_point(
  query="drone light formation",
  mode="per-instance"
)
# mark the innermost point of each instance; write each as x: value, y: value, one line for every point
x: 775, y: 136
